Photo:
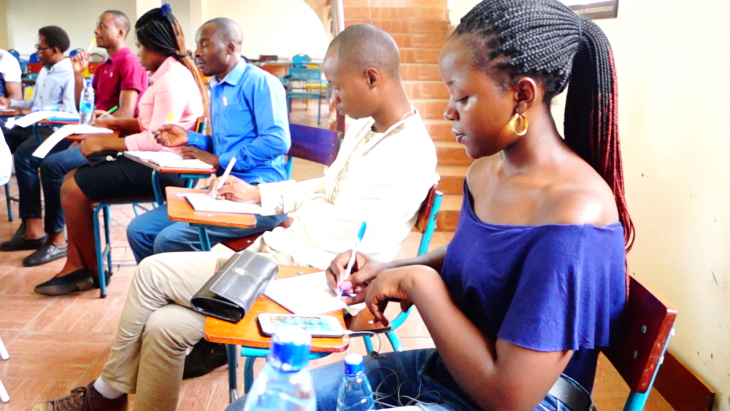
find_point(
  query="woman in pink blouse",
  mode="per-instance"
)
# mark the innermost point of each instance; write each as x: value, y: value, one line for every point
x: 176, y: 95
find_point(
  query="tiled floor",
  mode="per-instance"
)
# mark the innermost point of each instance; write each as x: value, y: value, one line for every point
x: 59, y: 343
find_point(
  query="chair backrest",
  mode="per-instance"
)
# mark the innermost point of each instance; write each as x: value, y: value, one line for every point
x: 14, y: 54
x: 427, y: 217
x: 74, y: 52
x: 648, y: 322
x: 265, y: 57
x: 33, y: 67
x: 201, y: 125
x: 314, y: 144
x: 33, y: 58
x: 300, y: 60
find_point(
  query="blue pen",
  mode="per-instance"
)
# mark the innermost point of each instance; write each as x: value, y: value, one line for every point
x: 348, y: 270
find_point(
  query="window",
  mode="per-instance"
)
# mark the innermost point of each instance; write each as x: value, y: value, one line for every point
x: 594, y: 9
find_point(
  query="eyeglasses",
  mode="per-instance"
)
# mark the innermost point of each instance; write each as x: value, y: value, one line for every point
x: 38, y: 48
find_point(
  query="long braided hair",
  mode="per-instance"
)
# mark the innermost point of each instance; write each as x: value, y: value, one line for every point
x: 158, y: 30
x: 547, y: 41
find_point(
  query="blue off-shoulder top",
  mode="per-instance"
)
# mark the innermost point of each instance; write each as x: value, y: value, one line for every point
x: 544, y: 288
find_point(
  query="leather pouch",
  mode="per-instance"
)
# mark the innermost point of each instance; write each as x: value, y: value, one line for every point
x: 235, y: 287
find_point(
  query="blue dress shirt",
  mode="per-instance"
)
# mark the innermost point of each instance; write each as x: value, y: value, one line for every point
x: 249, y: 113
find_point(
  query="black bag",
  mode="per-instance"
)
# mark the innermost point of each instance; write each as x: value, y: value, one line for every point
x: 235, y: 287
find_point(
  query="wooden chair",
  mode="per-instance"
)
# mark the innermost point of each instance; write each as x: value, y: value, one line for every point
x: 4, y: 397
x: 649, y: 324
x: 308, y: 143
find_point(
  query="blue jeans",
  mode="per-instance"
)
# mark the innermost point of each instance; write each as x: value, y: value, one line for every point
x: 419, y: 374
x: 53, y: 170
x: 153, y: 233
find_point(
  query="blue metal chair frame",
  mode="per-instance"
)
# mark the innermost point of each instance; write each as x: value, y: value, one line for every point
x: 637, y: 400
x: 306, y: 75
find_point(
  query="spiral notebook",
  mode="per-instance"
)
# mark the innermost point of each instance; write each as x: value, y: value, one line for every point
x: 305, y: 295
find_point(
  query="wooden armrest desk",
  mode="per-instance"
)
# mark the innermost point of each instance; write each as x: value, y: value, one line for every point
x: 179, y: 209
x: 247, y: 333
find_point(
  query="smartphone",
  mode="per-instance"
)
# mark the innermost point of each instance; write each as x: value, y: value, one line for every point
x: 317, y: 325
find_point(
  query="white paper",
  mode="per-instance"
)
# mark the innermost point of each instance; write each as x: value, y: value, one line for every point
x: 167, y: 159
x: 204, y: 202
x: 306, y: 294
x: 10, y: 123
x: 37, y: 116
x: 63, y: 132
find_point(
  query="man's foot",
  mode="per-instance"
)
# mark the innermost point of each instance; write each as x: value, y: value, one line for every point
x: 19, y: 242
x: 78, y: 280
x: 45, y: 254
x: 206, y: 357
x: 85, y: 398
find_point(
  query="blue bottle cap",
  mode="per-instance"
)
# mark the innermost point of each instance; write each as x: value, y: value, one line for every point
x: 289, y: 349
x: 353, y: 364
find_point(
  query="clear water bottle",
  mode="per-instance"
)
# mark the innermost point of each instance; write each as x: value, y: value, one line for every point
x: 284, y: 383
x: 355, y: 393
x: 86, y: 104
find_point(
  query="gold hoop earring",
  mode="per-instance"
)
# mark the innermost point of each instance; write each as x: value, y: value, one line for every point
x: 513, y: 124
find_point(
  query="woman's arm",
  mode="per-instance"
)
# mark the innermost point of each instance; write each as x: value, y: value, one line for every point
x: 495, y: 374
x: 128, y: 125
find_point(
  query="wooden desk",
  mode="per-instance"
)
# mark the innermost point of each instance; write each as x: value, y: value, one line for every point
x: 11, y: 112
x: 178, y: 209
x: 82, y: 137
x: 48, y: 122
x: 184, y: 171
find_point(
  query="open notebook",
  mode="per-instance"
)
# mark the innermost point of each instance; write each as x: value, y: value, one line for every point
x: 167, y: 159
x: 306, y: 294
x: 204, y: 202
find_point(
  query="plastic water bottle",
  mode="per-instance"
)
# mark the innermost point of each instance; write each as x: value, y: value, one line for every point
x: 86, y: 104
x: 284, y: 383
x: 355, y: 393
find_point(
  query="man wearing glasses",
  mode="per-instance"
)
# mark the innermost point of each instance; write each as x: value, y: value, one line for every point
x: 55, y: 84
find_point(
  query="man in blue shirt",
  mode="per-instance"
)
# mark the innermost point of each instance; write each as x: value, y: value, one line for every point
x: 249, y: 118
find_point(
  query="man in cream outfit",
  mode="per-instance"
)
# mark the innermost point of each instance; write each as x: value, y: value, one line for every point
x: 382, y: 174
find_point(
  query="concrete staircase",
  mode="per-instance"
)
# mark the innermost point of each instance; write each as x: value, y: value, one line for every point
x: 421, y: 28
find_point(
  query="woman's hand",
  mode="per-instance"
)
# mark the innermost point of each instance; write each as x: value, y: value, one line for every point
x: 392, y: 285
x: 107, y: 121
x: 93, y: 145
x: 364, y: 269
x: 171, y: 135
x: 235, y: 189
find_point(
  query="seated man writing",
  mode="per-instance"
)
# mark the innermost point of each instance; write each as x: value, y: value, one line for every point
x: 382, y: 175
x: 118, y: 82
x: 249, y: 122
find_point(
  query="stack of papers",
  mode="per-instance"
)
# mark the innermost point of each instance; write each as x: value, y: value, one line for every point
x: 167, y: 159
x: 63, y: 132
x: 305, y: 295
x: 204, y: 202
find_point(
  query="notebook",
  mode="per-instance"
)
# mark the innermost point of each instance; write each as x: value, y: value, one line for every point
x: 167, y: 159
x: 305, y: 295
x: 204, y: 202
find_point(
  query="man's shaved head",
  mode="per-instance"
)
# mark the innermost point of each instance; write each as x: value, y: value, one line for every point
x: 363, y: 46
x: 228, y: 30
x: 121, y: 20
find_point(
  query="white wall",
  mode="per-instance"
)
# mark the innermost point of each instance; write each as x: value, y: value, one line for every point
x: 77, y: 17
x: 281, y: 27
x: 671, y: 58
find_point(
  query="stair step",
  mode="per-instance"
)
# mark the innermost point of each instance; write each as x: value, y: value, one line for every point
x: 448, y: 217
x: 451, y: 154
x: 426, y: 90
x: 439, y: 130
x: 426, y: 41
x: 419, y: 56
x: 452, y: 179
x: 430, y: 109
x: 406, y: 26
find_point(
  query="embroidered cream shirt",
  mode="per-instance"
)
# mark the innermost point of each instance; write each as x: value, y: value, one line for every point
x: 379, y: 178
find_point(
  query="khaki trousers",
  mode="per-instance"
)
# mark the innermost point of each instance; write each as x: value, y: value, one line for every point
x: 157, y: 325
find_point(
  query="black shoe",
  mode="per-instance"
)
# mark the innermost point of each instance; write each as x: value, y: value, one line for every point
x: 20, y: 243
x: 45, y: 254
x: 206, y: 357
x: 78, y: 280
x: 107, y: 276
x: 20, y: 232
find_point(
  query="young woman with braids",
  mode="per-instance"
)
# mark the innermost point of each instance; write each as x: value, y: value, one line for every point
x: 534, y: 281
x: 176, y: 95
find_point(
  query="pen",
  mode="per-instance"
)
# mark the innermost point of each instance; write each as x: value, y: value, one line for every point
x: 93, y: 41
x: 353, y: 255
x: 106, y: 113
x: 226, y: 174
